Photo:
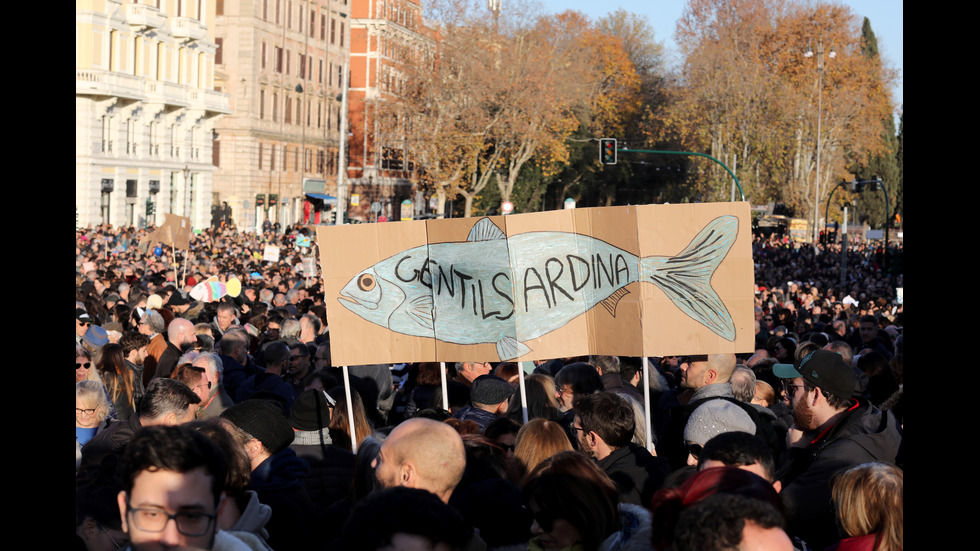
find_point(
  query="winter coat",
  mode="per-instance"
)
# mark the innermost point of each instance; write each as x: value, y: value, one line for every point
x: 864, y: 434
x: 636, y: 473
x: 331, y: 468
x: 635, y: 533
x: 279, y: 483
x: 267, y: 383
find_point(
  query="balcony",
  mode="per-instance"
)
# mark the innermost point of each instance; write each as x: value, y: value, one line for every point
x: 214, y: 103
x: 144, y: 17
x: 166, y: 93
x: 187, y: 29
x: 97, y: 82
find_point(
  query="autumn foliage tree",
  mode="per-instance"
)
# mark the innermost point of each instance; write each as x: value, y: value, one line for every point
x: 494, y: 100
x: 748, y: 96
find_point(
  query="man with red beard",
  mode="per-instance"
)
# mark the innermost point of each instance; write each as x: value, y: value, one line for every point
x: 830, y: 432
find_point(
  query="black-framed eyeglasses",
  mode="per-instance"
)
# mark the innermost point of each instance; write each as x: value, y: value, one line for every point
x: 86, y: 365
x: 84, y: 411
x: 791, y: 389
x: 189, y: 523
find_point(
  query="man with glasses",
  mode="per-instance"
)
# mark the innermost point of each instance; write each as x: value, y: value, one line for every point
x: 298, y: 367
x: 831, y: 432
x: 173, y: 489
x: 467, y: 372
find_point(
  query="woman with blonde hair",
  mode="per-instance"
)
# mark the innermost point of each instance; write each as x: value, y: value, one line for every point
x: 84, y: 368
x: 870, y: 507
x: 91, y: 414
x: 538, y: 440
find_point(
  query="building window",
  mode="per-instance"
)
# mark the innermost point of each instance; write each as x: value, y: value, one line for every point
x: 217, y: 54
x: 287, y: 61
x: 260, y: 155
x: 278, y: 60
x: 261, y: 104
x: 341, y: 34
x: 272, y: 157
x: 278, y: 2
x: 323, y: 27
x: 289, y: 110
x: 263, y: 56
x: 312, y: 23
x: 333, y: 31
x: 275, y: 107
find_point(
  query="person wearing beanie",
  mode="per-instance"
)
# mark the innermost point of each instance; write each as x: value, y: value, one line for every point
x: 331, y: 467
x: 489, y: 397
x: 710, y: 419
x: 278, y: 474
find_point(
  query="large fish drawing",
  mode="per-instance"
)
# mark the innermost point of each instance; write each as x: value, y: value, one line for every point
x: 507, y: 291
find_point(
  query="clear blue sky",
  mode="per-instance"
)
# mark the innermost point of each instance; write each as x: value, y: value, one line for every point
x: 886, y: 21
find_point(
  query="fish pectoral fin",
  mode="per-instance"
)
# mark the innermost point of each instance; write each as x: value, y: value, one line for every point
x: 509, y: 348
x: 612, y: 300
x: 485, y: 230
x: 420, y: 310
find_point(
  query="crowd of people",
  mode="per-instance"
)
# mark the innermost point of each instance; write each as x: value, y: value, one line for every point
x: 223, y: 412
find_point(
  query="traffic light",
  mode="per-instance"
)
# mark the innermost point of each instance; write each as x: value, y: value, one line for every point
x: 607, y: 151
x: 151, y: 208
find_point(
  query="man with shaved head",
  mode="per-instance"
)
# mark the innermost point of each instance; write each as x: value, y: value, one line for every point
x: 709, y: 377
x: 422, y: 453
x: 181, y: 337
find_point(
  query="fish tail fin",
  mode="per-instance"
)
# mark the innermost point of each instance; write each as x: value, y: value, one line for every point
x: 686, y: 278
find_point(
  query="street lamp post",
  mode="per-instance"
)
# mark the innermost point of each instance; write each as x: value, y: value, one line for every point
x: 820, y: 68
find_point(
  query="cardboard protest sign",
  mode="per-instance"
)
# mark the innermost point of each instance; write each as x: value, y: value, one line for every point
x: 650, y: 280
x: 175, y: 231
x: 270, y: 253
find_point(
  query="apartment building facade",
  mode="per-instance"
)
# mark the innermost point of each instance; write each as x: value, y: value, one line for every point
x: 281, y: 62
x: 145, y: 108
x: 387, y: 36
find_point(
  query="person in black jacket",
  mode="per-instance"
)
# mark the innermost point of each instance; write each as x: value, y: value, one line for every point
x: 331, y: 467
x: 831, y: 432
x: 604, y: 424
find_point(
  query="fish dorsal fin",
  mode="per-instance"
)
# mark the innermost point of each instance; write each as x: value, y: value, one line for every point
x: 509, y: 348
x: 485, y: 230
x: 612, y: 300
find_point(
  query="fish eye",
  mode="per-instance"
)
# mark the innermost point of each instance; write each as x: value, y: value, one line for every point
x: 366, y: 282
